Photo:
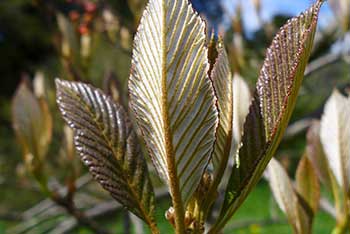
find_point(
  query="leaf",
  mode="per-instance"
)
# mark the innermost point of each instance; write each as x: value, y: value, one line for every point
x: 316, y: 155
x: 307, y: 183
x: 271, y: 108
x: 70, y: 44
x: 223, y: 86
x: 32, y: 123
x: 287, y: 199
x: 172, y: 96
x: 241, y: 102
x: 108, y: 146
x: 335, y: 137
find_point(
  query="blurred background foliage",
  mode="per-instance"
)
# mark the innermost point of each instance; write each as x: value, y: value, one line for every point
x: 91, y: 41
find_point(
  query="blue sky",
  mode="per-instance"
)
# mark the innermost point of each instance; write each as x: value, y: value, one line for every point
x: 271, y: 7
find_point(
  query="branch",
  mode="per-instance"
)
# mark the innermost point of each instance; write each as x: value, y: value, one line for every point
x: 321, y: 62
x: 100, y: 210
x: 327, y: 207
x: 48, y: 203
x: 297, y: 127
x: 81, y: 218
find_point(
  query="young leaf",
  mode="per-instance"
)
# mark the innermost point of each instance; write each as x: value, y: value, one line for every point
x: 271, y: 108
x: 335, y: 137
x: 316, y: 155
x: 287, y: 199
x: 172, y: 96
x: 222, y: 82
x: 33, y: 125
x: 108, y: 146
x: 307, y: 184
x: 241, y: 101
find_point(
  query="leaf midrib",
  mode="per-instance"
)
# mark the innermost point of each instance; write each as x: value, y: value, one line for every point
x: 89, y: 110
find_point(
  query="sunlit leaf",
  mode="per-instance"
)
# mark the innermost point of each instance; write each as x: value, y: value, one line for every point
x: 287, y: 199
x: 241, y: 102
x: 33, y: 125
x: 222, y: 82
x: 108, y: 146
x: 316, y: 155
x: 307, y: 183
x: 335, y: 137
x: 172, y: 96
x: 271, y: 108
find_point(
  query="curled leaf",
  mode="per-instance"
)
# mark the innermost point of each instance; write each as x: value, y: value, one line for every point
x: 172, y: 96
x: 271, y: 108
x: 108, y: 146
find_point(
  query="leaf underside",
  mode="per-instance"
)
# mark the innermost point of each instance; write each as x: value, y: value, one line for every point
x: 335, y: 137
x: 107, y: 145
x: 271, y: 108
x: 316, y: 155
x: 287, y: 198
x: 222, y: 82
x: 171, y: 94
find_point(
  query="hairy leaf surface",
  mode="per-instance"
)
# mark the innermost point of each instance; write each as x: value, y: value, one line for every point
x: 335, y: 137
x: 271, y: 108
x: 108, y: 146
x: 171, y: 94
x: 222, y: 82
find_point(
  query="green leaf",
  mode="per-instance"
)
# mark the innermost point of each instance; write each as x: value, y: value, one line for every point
x: 288, y: 199
x: 271, y: 108
x: 32, y: 123
x: 107, y: 145
x: 335, y: 137
x: 172, y: 96
x: 307, y: 184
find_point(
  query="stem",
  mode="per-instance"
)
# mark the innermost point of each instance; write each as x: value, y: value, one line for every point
x: 343, y: 227
x: 154, y: 228
x: 170, y: 154
x: 210, y: 198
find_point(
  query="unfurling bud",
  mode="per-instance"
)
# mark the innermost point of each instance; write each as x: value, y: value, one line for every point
x: 188, y: 218
x: 170, y: 215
